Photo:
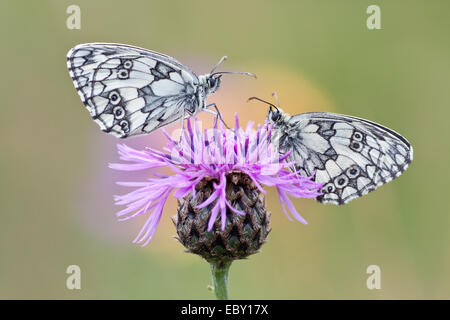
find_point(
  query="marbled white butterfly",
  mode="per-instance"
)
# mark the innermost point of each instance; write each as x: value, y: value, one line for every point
x: 349, y: 155
x: 131, y: 91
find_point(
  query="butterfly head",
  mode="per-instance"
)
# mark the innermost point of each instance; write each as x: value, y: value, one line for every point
x: 275, y: 116
x: 212, y: 83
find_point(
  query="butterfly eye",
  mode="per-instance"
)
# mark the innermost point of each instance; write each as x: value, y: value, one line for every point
x: 211, y: 82
x: 275, y: 115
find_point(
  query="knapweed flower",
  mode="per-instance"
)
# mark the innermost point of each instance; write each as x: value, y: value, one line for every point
x: 218, y: 177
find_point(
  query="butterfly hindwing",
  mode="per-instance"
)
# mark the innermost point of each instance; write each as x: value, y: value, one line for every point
x: 128, y: 90
x: 350, y: 156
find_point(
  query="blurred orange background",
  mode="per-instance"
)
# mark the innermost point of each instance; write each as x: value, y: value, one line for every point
x: 56, y: 188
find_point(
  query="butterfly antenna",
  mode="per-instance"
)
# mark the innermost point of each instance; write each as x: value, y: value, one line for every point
x: 264, y: 101
x: 219, y: 63
x: 276, y: 98
x: 229, y: 72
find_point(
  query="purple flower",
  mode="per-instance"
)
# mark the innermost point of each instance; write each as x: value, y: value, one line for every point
x: 211, y: 153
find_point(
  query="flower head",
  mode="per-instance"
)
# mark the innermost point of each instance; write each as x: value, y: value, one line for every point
x: 213, y: 154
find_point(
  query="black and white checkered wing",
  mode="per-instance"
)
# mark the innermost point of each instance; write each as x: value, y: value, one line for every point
x: 351, y: 156
x: 128, y: 90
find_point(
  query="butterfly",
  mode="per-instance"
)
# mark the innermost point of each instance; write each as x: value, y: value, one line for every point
x: 131, y: 91
x: 350, y: 156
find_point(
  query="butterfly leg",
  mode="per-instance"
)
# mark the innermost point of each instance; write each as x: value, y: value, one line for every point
x: 216, y: 113
x: 216, y: 117
x: 182, y: 125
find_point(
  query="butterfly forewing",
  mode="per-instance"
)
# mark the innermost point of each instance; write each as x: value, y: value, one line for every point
x: 350, y: 156
x: 131, y: 91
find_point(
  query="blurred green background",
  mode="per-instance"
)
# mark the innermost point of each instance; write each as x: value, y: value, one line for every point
x: 56, y: 190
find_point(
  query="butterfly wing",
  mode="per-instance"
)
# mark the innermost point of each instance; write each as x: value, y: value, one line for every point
x: 128, y: 90
x: 351, y: 156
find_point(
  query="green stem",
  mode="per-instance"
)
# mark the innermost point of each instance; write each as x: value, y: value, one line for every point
x: 219, y: 271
